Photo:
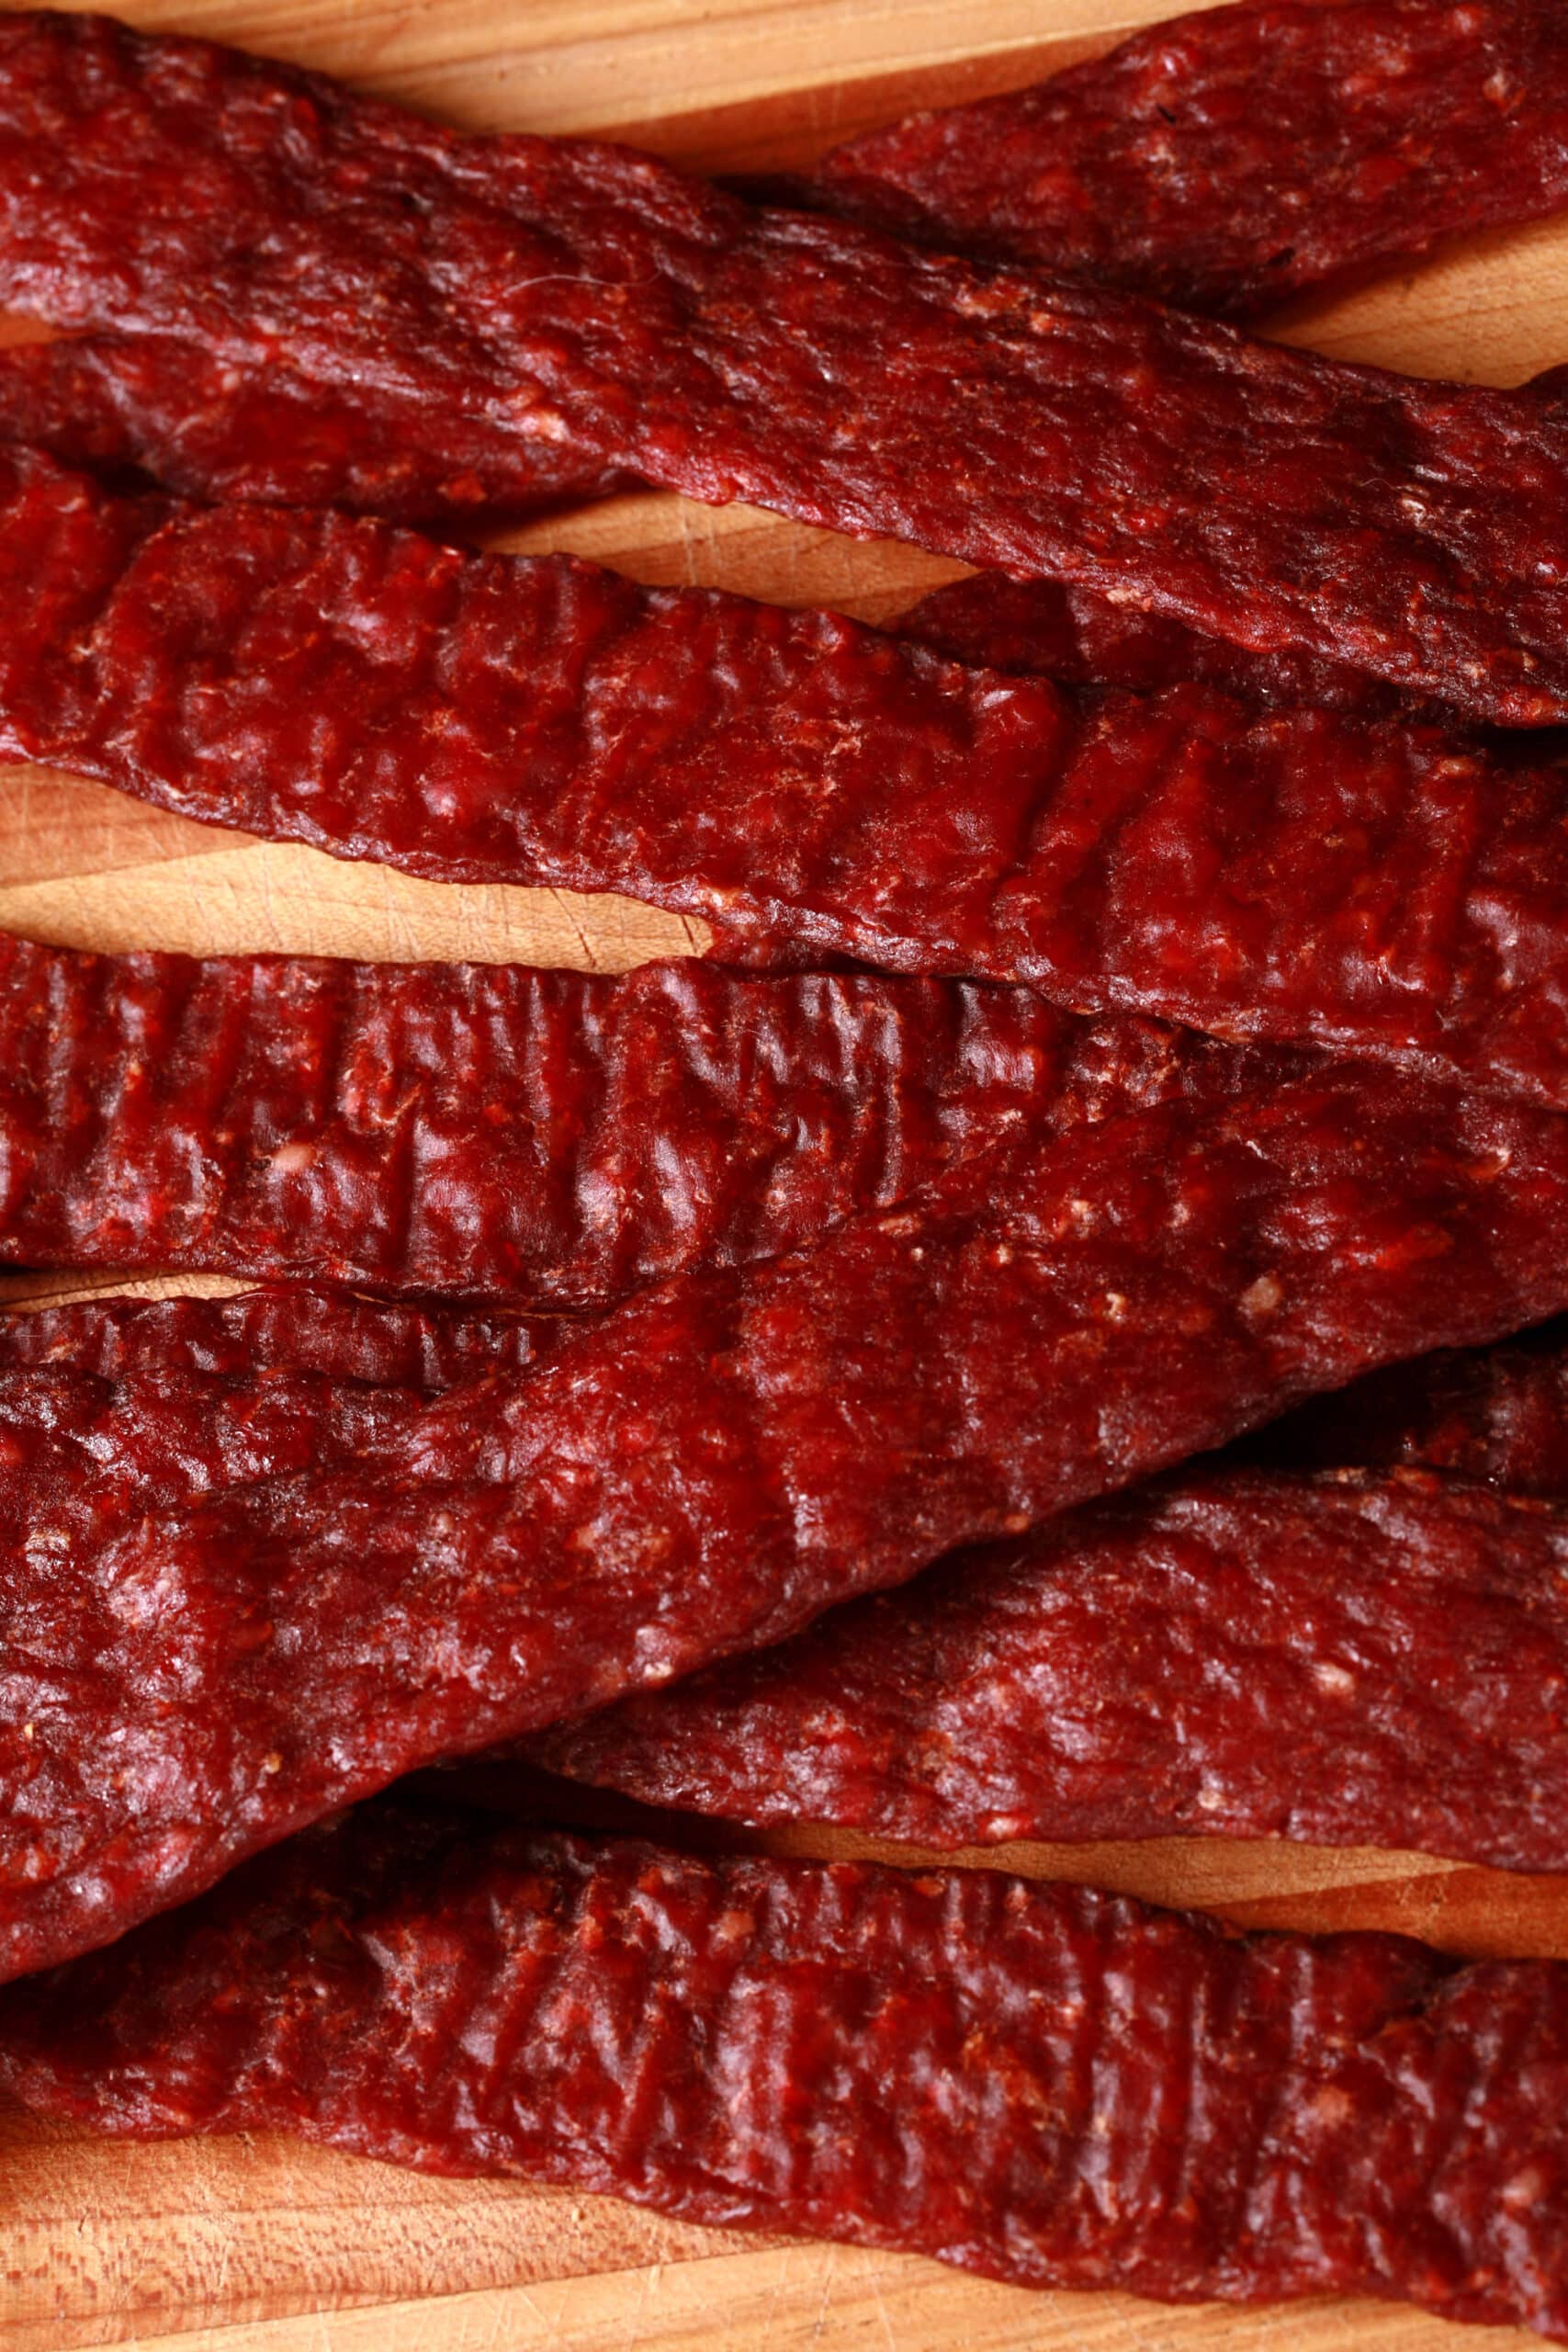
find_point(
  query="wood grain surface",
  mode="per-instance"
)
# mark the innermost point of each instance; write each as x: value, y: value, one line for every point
x: 263, y: 2247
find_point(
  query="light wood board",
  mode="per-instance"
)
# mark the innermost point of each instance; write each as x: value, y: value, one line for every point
x: 266, y: 2247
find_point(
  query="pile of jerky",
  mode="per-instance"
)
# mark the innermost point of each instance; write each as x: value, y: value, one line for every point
x: 1045, y: 1332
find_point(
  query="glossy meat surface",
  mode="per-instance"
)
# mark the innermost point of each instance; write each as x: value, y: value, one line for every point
x: 503, y: 1132
x: 1227, y: 160
x: 708, y: 1466
x: 810, y: 786
x: 591, y: 300
x: 1350, y: 1659
x: 1035, y: 2082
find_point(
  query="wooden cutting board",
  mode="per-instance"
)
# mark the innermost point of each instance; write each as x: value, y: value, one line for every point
x: 248, y: 2245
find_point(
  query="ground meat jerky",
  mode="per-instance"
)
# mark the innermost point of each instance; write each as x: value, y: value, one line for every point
x: 813, y: 788
x: 495, y: 1131
x: 709, y: 1465
x: 279, y: 1327
x: 1039, y: 2082
x: 1227, y: 160
x: 152, y: 406
x: 594, y: 300
x: 1349, y: 1660
x: 1046, y: 629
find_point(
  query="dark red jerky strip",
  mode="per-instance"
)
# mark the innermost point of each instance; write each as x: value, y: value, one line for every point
x: 279, y: 1328
x: 1035, y: 2082
x: 1499, y: 1413
x: 593, y: 300
x: 1079, y: 638
x: 208, y: 428
x: 496, y: 1131
x: 710, y: 1466
x: 812, y: 786
x: 1227, y: 160
x: 1356, y: 1661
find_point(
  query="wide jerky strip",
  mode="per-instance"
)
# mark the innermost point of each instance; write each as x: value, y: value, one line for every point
x: 709, y: 1465
x: 1039, y: 2082
x: 593, y: 300
x: 810, y: 786
x: 1226, y: 160
x: 210, y: 428
x: 1047, y: 628
x: 497, y: 1131
x: 1348, y: 1659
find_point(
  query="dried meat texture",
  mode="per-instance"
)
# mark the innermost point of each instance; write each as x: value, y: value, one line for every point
x: 1046, y: 629
x: 1354, y: 1660
x: 1227, y: 160
x: 277, y: 1328
x: 1498, y: 1414
x: 708, y: 1466
x: 503, y: 1132
x: 812, y: 786
x: 1035, y: 2082
x: 164, y: 409
x: 593, y: 300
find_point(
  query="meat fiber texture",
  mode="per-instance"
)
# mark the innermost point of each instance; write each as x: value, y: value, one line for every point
x: 1228, y: 159
x: 811, y: 786
x: 503, y: 1132
x: 593, y: 300
x: 1129, y: 2097
x: 702, y: 1470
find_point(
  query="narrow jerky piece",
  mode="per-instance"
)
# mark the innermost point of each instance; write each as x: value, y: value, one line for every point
x: 1353, y: 1660
x: 1499, y: 1413
x: 809, y: 784
x: 709, y: 1465
x: 594, y: 301
x: 1039, y: 2082
x: 277, y: 1327
x: 1046, y: 629
x: 156, y: 406
x: 1227, y: 160
x: 497, y: 1131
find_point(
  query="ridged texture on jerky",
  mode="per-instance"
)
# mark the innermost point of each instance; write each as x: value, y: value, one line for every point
x: 594, y: 300
x: 809, y: 784
x: 498, y: 1131
x: 1226, y: 160
x: 1035, y: 2082
x: 709, y: 1465
x: 211, y: 429
x: 1349, y: 1660
x: 279, y: 1327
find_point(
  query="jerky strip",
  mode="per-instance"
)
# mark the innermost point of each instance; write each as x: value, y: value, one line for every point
x: 710, y: 1466
x: 503, y: 1132
x: 159, y: 407
x: 1227, y: 160
x: 1354, y: 1660
x: 592, y: 300
x: 277, y: 1327
x: 810, y: 786
x: 1036, y: 2081
x: 1046, y: 629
